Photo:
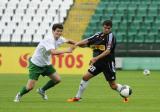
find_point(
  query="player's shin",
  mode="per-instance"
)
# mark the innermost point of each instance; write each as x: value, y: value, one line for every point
x: 23, y: 91
x: 82, y: 86
x: 49, y: 84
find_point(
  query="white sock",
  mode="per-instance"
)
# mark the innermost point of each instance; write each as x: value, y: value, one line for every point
x: 82, y: 86
x: 119, y: 87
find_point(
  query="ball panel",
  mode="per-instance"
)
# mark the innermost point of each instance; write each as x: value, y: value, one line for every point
x: 146, y: 72
x: 125, y: 91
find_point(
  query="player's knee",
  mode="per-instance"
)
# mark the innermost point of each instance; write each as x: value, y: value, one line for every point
x: 30, y: 88
x: 58, y: 81
x: 85, y: 78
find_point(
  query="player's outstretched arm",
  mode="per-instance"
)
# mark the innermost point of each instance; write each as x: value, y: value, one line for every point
x: 58, y: 52
x: 82, y: 43
x: 71, y: 42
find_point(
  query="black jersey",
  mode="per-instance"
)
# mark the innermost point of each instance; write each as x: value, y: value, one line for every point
x: 101, y: 42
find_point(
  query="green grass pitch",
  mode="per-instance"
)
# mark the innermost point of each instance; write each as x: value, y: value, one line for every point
x: 98, y: 97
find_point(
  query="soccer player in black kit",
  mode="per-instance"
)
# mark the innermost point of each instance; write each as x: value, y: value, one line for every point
x: 103, y: 45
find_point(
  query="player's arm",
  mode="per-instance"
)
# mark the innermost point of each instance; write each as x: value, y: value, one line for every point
x: 58, y: 52
x: 82, y: 43
x: 86, y: 42
x: 71, y: 42
x: 103, y: 54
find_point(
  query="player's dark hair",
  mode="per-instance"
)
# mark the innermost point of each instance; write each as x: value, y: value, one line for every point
x: 55, y: 26
x: 107, y: 23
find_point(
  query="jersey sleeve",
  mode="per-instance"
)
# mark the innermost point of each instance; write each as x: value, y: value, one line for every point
x: 92, y: 38
x: 110, y: 43
x: 63, y: 40
x: 49, y: 45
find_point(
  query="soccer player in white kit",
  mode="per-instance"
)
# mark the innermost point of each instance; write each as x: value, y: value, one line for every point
x: 40, y: 64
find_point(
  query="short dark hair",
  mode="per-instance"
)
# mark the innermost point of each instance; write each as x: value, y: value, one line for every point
x: 107, y: 23
x: 58, y: 25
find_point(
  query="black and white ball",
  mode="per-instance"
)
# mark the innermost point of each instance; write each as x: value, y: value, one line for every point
x: 125, y: 91
x: 146, y: 72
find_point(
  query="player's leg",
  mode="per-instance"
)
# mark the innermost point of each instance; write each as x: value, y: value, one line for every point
x: 117, y: 87
x: 83, y: 84
x: 55, y: 79
x: 110, y: 78
x: 33, y: 77
x: 34, y: 73
x: 92, y: 71
x: 114, y: 85
x: 110, y: 75
x: 29, y: 86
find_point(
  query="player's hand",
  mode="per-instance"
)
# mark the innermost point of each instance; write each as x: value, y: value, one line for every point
x: 73, y: 47
x: 69, y: 50
x: 93, y: 60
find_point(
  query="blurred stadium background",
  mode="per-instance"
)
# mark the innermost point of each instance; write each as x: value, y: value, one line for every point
x: 136, y: 25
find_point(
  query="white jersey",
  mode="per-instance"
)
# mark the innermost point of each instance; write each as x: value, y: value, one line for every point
x: 42, y: 54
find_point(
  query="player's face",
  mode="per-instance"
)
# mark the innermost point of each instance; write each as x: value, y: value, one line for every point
x: 57, y: 33
x: 106, y: 29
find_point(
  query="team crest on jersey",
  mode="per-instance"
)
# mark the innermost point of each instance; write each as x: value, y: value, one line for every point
x: 100, y: 47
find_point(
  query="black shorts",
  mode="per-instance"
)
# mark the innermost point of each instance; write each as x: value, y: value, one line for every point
x: 107, y: 67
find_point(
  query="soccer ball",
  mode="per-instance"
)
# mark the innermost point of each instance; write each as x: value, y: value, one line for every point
x: 125, y: 91
x: 146, y: 72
